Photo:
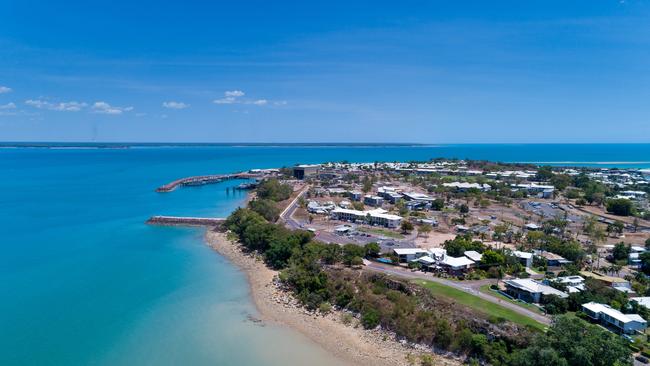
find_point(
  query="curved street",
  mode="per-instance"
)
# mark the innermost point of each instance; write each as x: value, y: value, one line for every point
x: 471, y: 287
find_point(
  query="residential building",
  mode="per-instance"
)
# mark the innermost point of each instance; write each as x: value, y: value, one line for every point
x: 614, y: 282
x: 417, y: 205
x: 473, y: 255
x: 531, y: 291
x: 544, y: 191
x: 456, y: 265
x: 390, y: 194
x: 464, y: 186
x: 406, y: 255
x: 426, y: 261
x: 355, y: 195
x: 437, y: 253
x: 526, y: 259
x: 643, y: 301
x: 414, y: 196
x: 320, y: 208
x: 375, y: 201
x: 614, y: 319
x: 552, y: 259
x: 461, y: 228
x: 573, y: 283
x: 336, y: 191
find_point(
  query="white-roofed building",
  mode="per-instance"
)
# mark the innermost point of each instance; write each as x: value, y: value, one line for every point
x: 373, y: 200
x: 525, y: 258
x: 614, y: 319
x: 426, y: 261
x: 573, y: 283
x: 464, y: 186
x: 634, y: 194
x: 320, y: 208
x: 534, y: 188
x: 530, y: 291
x: 372, y: 217
x: 414, y: 196
x: 456, y: 265
x: 409, y: 254
x: 336, y: 190
x: 437, y: 253
x: 643, y: 301
x: 473, y: 255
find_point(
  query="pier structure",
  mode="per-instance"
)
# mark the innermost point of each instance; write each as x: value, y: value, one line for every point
x: 200, y: 180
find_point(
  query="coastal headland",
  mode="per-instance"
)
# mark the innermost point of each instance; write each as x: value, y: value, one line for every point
x: 351, y: 344
x: 401, y: 263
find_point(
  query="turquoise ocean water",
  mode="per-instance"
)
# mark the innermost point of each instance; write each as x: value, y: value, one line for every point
x: 85, y: 282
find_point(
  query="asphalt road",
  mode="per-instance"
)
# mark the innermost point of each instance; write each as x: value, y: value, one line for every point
x: 471, y: 287
x: 287, y: 215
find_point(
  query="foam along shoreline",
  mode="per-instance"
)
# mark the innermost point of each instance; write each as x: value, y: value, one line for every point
x: 352, y: 345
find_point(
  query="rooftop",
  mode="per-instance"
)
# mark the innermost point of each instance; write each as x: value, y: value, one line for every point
x: 524, y: 255
x: 408, y: 251
x: 457, y: 261
x: 374, y: 213
x: 531, y: 286
x: 643, y: 301
x: 473, y: 255
x: 613, y: 313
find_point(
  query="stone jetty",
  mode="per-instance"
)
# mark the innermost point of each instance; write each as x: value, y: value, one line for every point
x: 185, y: 221
x: 200, y: 180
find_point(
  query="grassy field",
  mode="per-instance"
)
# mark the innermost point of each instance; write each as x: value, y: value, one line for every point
x: 381, y: 232
x: 486, y: 289
x: 478, y: 304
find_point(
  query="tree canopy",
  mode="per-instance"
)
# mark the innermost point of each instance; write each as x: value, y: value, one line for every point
x: 571, y: 341
x: 273, y: 190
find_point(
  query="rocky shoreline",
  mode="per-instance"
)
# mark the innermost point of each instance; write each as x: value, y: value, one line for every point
x: 348, y: 342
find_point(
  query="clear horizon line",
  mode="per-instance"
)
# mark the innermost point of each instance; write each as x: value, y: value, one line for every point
x: 316, y: 143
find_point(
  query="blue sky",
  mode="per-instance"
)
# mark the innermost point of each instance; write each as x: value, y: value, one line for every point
x: 295, y: 71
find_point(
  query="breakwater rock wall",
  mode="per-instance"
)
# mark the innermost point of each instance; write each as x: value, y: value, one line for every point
x: 185, y: 221
x: 200, y: 180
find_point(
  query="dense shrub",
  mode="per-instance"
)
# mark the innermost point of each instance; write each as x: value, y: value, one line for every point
x: 267, y: 208
x: 273, y: 190
x: 620, y: 206
x: 462, y: 243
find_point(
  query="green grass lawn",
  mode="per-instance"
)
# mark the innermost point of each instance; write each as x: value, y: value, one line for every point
x: 382, y: 232
x: 486, y: 289
x: 478, y: 304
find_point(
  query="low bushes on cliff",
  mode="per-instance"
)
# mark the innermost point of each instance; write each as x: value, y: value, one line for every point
x: 316, y: 274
